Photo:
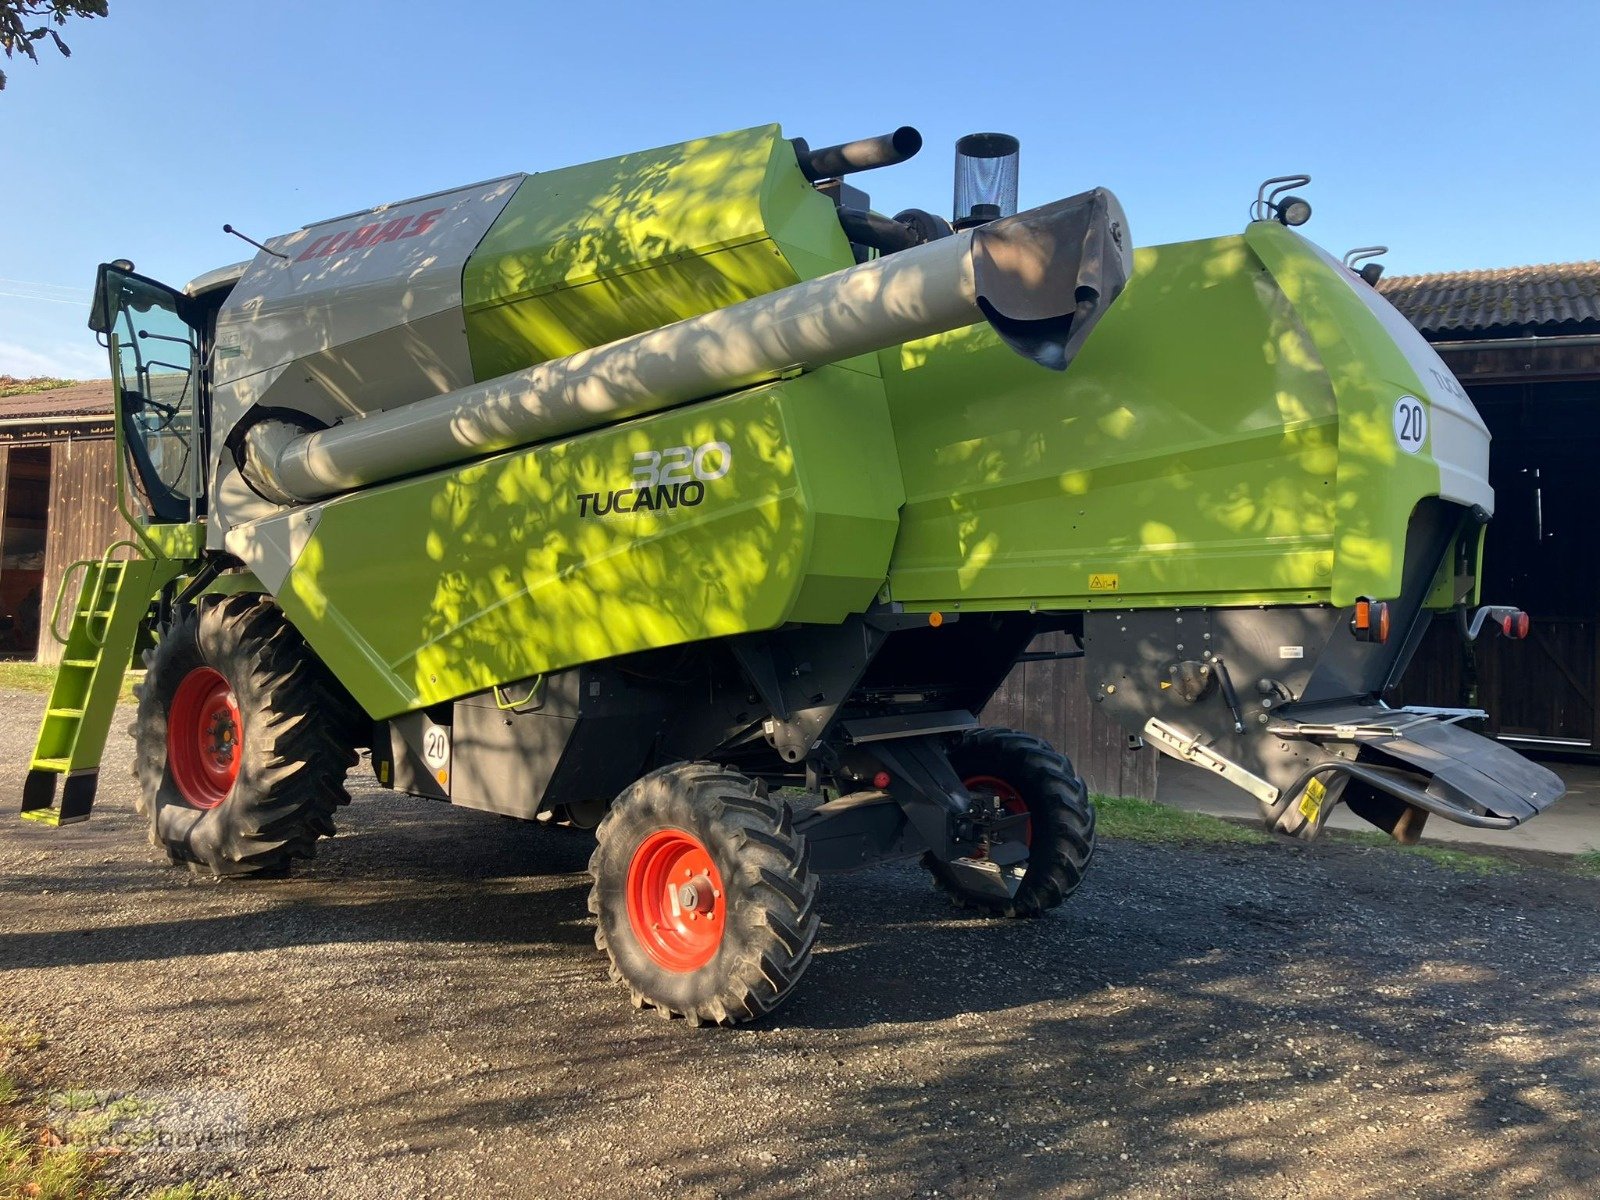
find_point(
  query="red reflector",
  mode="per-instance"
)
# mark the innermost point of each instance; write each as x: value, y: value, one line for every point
x: 1370, y: 621
x: 1516, y: 625
x: 882, y: 780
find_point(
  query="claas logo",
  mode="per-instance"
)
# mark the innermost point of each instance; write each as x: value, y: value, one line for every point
x: 393, y: 230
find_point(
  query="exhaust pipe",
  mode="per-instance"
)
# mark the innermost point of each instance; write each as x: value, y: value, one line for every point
x: 864, y: 155
x: 1041, y: 278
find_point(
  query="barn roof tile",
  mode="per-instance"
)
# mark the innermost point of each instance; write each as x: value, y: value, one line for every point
x: 1552, y: 298
x: 89, y: 399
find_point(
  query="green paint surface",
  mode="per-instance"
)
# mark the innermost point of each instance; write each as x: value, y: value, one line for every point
x: 493, y: 572
x: 1223, y: 438
x: 1189, y: 454
x: 588, y: 254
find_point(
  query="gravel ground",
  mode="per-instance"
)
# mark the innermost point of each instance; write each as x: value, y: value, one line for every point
x: 421, y: 1012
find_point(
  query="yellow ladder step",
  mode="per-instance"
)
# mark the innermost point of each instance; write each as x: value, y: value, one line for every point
x: 77, y: 662
x: 53, y: 764
x: 63, y: 712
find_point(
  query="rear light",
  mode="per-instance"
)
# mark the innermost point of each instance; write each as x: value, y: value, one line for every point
x: 1516, y: 624
x: 1370, y: 621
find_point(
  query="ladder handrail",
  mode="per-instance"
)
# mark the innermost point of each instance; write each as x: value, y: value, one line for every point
x: 61, y: 594
x: 100, y: 588
x: 104, y: 563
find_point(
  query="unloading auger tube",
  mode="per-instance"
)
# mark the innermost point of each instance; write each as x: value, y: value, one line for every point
x: 1041, y: 278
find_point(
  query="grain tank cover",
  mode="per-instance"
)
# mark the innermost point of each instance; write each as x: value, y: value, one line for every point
x: 343, y: 298
x: 592, y: 253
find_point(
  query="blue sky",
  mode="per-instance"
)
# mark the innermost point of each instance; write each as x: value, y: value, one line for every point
x: 1462, y: 135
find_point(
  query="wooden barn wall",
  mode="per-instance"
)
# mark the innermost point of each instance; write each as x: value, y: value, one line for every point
x: 83, y: 520
x: 1047, y: 698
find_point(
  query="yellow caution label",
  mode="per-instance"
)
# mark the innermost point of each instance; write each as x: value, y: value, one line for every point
x: 1102, y: 583
x: 1311, y: 801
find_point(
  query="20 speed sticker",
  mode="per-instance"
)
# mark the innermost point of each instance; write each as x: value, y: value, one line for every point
x: 1410, y: 423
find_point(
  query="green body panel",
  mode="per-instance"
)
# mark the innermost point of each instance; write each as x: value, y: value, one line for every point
x: 1450, y: 590
x: 1377, y: 484
x: 588, y: 254
x: 492, y: 572
x: 1219, y: 440
x: 181, y: 542
x: 234, y: 583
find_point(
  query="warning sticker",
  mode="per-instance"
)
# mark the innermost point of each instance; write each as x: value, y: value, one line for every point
x: 1102, y: 583
x: 1311, y: 802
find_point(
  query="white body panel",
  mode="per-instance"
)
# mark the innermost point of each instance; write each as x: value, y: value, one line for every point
x: 1458, y: 438
x: 366, y: 308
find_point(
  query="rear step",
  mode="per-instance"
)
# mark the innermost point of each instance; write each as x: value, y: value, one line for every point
x: 113, y: 600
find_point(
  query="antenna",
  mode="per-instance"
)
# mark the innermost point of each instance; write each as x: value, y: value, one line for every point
x: 245, y: 238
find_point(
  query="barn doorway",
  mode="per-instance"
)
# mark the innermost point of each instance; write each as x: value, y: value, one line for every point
x: 1541, y: 554
x: 23, y: 531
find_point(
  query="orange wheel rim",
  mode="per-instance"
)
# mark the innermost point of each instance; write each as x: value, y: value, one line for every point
x: 676, y: 901
x: 204, y: 735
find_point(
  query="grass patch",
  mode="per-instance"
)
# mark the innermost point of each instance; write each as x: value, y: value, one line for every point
x: 37, y: 677
x: 1587, y: 863
x: 33, y: 1164
x: 14, y: 1039
x: 1464, y: 861
x: 30, y: 1168
x: 41, y: 1163
x: 1146, y: 821
x: 10, y: 385
x: 198, y: 1191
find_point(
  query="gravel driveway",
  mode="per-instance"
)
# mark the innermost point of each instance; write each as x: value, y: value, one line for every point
x: 421, y: 1012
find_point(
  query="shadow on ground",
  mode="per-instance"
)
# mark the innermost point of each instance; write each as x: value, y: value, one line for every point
x: 422, y: 1011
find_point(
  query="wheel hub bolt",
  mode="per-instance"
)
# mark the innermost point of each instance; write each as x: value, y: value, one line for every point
x: 696, y: 895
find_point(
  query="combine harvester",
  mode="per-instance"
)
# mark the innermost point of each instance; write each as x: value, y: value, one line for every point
x: 682, y: 496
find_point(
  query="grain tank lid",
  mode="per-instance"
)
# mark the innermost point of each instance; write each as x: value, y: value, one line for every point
x: 1044, y: 277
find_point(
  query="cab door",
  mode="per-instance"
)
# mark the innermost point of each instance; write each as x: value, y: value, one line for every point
x: 162, y: 403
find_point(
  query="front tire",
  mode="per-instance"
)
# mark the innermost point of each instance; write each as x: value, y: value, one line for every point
x: 1019, y: 773
x: 703, y: 899
x: 242, y: 742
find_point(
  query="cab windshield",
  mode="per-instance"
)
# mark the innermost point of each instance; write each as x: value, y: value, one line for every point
x: 156, y: 365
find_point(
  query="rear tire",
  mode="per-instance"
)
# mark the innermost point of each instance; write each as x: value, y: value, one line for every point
x: 703, y: 899
x: 242, y: 742
x: 1018, y: 768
